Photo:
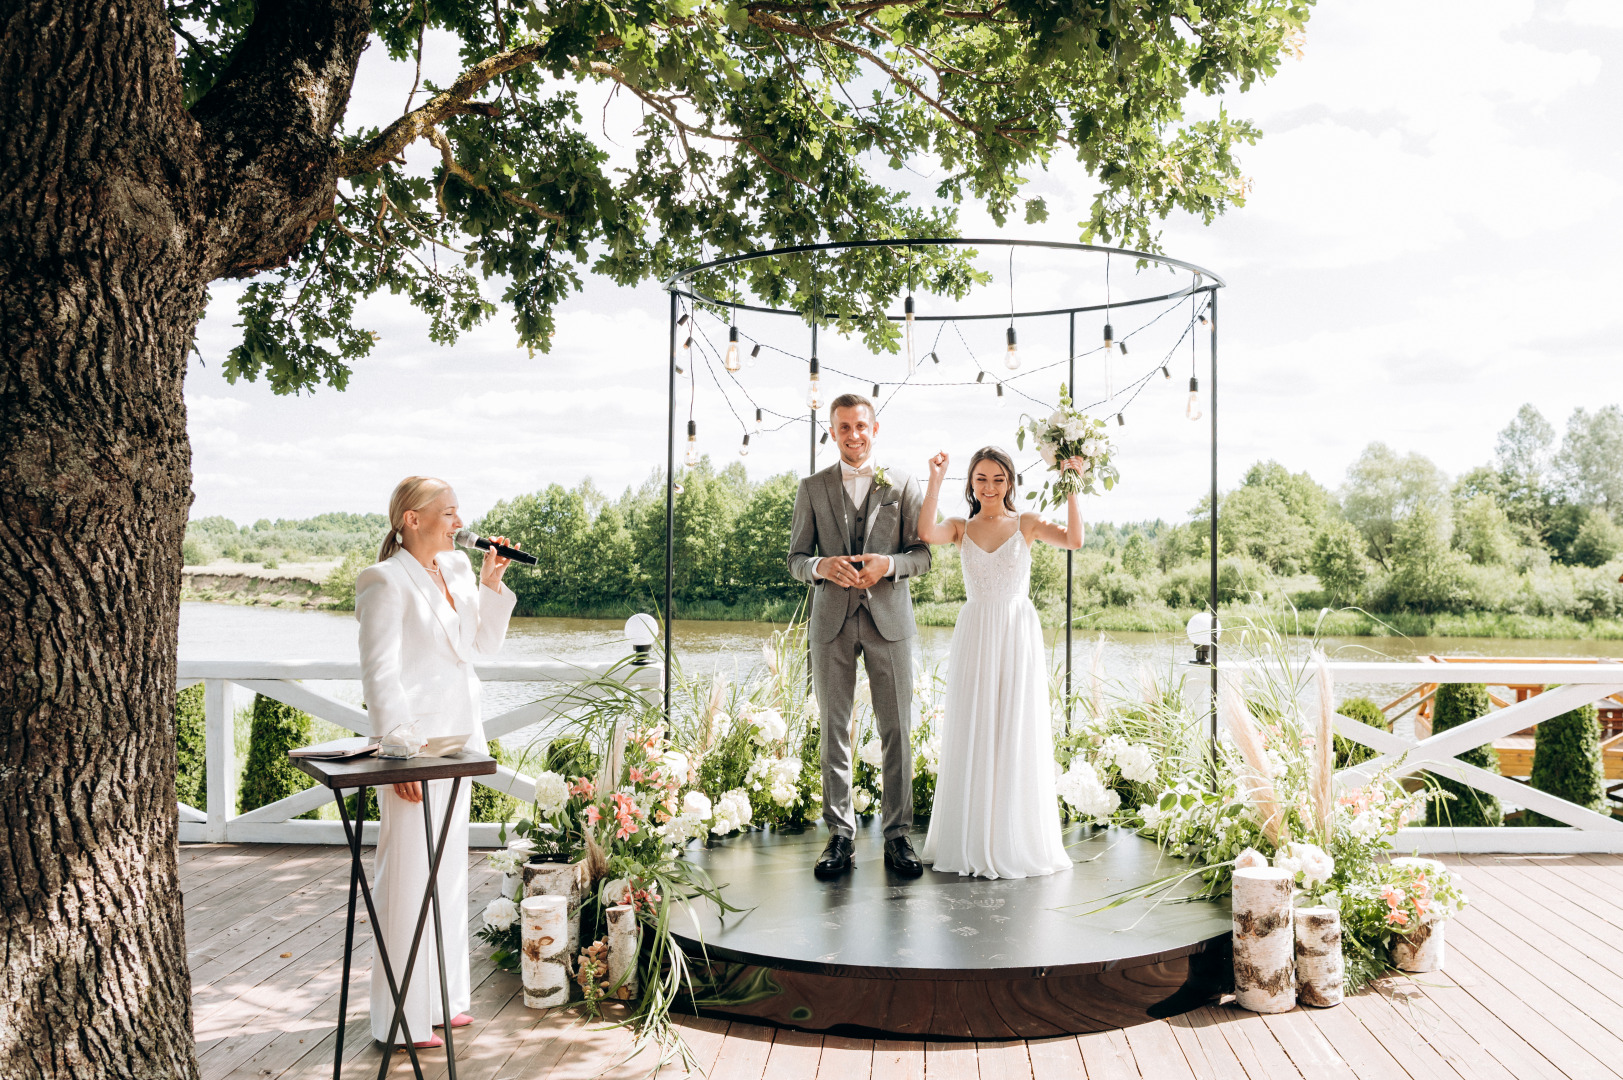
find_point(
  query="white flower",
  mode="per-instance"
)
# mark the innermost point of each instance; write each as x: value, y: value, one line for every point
x: 1081, y: 789
x: 506, y: 862
x: 771, y: 656
x: 1057, y: 418
x: 1047, y: 453
x: 861, y: 799
x: 1365, y: 827
x: 1091, y: 447
x: 770, y: 724
x: 872, y: 754
x: 930, y: 755
x: 1250, y: 859
x: 551, y: 793
x: 674, y: 764
x: 1153, y: 816
x: 1133, y: 759
x: 1309, y: 863
x: 500, y: 913
x: 732, y: 812
x: 697, y: 804
x: 1074, y: 428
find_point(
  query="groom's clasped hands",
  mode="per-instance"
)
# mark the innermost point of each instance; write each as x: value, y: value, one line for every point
x: 853, y: 571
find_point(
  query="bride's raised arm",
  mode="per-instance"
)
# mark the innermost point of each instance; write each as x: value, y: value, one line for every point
x: 1067, y: 537
x: 932, y: 531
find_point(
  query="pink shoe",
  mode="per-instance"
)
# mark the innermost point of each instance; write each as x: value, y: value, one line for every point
x: 430, y: 1044
x: 459, y: 1020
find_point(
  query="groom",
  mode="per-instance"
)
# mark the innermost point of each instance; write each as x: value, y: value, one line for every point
x: 855, y: 540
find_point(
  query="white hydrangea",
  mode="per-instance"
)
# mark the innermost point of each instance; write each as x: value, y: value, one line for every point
x: 872, y: 754
x: 1309, y: 863
x: 930, y: 755
x: 1364, y: 827
x: 731, y: 813
x: 1133, y: 759
x: 697, y: 804
x: 1153, y: 816
x: 682, y: 828
x: 1047, y: 452
x: 861, y: 799
x: 674, y: 764
x: 782, y: 778
x: 1083, y: 792
x: 770, y: 725
x: 500, y: 913
x: 551, y: 793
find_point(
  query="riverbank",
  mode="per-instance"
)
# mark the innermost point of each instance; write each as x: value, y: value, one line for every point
x: 291, y: 585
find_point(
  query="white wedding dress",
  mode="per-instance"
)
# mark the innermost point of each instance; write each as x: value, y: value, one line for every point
x: 995, y: 813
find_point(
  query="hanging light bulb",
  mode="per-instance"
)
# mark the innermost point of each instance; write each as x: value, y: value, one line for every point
x: 1011, y: 351
x: 907, y: 324
x: 814, y: 392
x: 875, y: 389
x: 1121, y: 421
x: 691, y: 458
x: 1110, y: 337
x: 1000, y: 390
x: 730, y: 362
x: 980, y: 376
x: 1192, y: 408
x: 934, y: 359
x: 683, y: 321
x: 744, y: 451
x: 824, y: 439
x: 1203, y: 318
x: 758, y: 416
x: 755, y: 354
x: 1166, y: 372
x: 1122, y: 345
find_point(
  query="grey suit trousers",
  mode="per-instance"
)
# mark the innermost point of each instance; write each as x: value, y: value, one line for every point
x: 890, y: 678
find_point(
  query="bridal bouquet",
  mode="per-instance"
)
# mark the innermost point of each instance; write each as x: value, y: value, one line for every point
x: 1065, y: 435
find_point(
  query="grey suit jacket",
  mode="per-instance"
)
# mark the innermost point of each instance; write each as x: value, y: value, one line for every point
x: 819, y: 529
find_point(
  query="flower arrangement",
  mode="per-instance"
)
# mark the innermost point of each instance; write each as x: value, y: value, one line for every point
x: 1066, y: 439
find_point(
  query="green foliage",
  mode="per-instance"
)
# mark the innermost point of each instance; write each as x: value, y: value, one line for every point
x: 761, y: 126
x: 1337, y: 559
x: 268, y: 774
x: 191, y: 771
x: 1591, y: 457
x: 287, y: 540
x: 339, y: 586
x: 1482, y: 530
x: 1365, y: 711
x: 488, y: 804
x: 1383, y: 489
x: 1453, y: 705
x: 1599, y: 540
x: 1427, y: 574
x: 1273, y: 517
x: 1136, y: 557
x: 1567, y: 762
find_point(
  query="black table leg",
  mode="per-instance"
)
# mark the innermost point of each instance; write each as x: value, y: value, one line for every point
x: 439, y: 934
x: 354, y: 836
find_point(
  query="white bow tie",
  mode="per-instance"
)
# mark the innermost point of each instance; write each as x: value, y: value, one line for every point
x: 866, y: 470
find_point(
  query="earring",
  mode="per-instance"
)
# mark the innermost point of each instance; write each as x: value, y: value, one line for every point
x: 399, y: 539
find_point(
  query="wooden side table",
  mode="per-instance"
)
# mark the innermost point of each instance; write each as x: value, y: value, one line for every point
x: 357, y: 774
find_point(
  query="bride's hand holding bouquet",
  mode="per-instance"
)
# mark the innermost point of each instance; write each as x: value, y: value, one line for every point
x: 1076, y: 447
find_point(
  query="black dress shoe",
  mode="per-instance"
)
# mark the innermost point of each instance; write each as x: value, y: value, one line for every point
x: 837, y: 857
x: 900, y: 858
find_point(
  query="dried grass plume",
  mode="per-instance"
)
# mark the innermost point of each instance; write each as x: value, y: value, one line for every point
x: 1248, y: 741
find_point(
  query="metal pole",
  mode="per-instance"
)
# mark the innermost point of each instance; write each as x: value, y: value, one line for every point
x: 812, y: 467
x: 1070, y: 556
x: 670, y: 508
x: 1211, y: 407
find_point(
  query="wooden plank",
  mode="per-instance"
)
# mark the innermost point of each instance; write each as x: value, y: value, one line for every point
x: 846, y: 1059
x: 1253, y: 1045
x: 1107, y: 1056
x: 1157, y: 1052
x: 1204, y: 1047
x: 1002, y: 1060
x: 898, y: 1060
x: 951, y: 1061
x: 1357, y: 1045
x: 1525, y: 932
x: 1417, y: 1052
x: 794, y: 1056
x: 1306, y: 1046
x: 743, y: 1056
x: 1056, y: 1059
x: 1456, y: 1005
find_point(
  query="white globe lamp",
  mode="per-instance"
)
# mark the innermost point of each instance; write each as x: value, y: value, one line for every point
x: 642, y: 630
x: 1203, y: 630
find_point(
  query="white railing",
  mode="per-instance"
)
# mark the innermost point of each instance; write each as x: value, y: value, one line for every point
x: 1573, y: 685
x: 577, y: 685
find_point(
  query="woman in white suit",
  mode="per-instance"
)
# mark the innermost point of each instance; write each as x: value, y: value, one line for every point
x: 424, y: 620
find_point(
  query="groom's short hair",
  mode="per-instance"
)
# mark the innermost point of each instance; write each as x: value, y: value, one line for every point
x: 851, y: 401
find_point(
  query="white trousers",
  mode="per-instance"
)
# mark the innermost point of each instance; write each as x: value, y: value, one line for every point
x: 399, y: 879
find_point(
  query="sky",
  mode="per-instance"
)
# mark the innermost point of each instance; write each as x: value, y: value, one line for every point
x: 1429, y: 242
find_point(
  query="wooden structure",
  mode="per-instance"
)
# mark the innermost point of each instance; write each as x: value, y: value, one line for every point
x: 1531, y: 992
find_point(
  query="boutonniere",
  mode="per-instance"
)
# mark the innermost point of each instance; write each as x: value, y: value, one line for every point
x: 881, y: 476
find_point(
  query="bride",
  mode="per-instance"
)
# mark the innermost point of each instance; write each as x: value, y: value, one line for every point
x: 995, y: 812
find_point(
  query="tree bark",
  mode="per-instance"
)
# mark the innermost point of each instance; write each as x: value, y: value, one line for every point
x: 116, y: 209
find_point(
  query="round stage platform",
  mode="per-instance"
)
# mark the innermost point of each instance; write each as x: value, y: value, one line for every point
x: 946, y: 956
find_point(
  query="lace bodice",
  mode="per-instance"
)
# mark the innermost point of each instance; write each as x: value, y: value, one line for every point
x: 997, y: 576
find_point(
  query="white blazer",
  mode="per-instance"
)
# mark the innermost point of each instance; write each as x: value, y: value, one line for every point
x: 417, y: 652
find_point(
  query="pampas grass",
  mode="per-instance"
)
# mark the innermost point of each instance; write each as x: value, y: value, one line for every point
x: 1248, y: 741
x: 1323, y: 779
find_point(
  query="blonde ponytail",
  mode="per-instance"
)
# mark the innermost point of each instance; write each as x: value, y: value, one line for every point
x: 412, y: 493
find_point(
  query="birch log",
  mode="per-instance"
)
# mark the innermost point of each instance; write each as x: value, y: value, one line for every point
x: 1318, y: 956
x: 1264, y: 948
x: 545, y: 957
x: 558, y: 879
x: 625, y: 940
x: 1422, y: 950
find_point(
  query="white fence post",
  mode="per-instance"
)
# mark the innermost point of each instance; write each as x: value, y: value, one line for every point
x: 219, y: 757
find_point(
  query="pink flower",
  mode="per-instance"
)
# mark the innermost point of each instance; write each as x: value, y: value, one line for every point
x: 582, y: 787
x: 592, y: 816
x: 1399, y: 918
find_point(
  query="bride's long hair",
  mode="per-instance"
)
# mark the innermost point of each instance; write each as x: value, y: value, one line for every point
x: 1002, y: 460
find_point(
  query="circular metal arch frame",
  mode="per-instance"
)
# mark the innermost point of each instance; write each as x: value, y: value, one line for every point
x: 680, y: 286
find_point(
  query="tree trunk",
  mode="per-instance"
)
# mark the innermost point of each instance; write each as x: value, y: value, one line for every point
x: 105, y: 254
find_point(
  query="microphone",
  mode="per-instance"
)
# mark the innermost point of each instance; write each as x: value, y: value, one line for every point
x: 469, y: 539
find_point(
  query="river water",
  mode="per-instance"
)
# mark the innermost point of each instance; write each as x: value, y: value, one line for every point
x: 211, y: 631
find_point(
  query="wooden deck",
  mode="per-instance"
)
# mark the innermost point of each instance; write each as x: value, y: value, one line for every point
x: 1533, y: 991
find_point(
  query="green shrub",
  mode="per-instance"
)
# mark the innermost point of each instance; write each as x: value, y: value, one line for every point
x: 196, y: 553
x: 339, y: 586
x: 191, y: 771
x: 488, y: 804
x: 1456, y: 704
x: 1599, y: 540
x: 269, y: 775
x: 1364, y: 711
x: 1567, y: 762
